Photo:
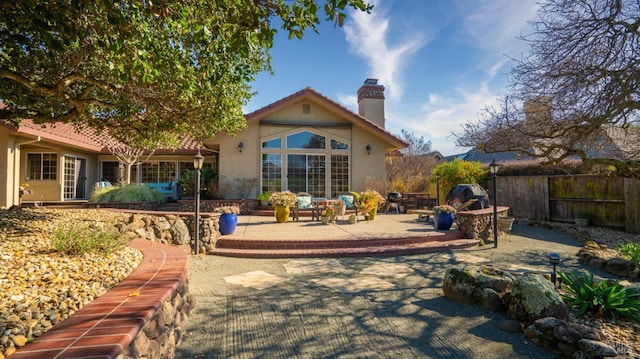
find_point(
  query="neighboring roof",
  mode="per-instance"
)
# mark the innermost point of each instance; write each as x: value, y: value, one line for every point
x: 476, y: 155
x: 348, y: 114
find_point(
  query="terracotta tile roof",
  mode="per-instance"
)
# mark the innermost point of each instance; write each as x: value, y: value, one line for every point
x: 85, y: 138
x: 310, y: 92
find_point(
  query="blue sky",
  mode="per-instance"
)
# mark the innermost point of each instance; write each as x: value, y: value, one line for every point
x: 441, y: 61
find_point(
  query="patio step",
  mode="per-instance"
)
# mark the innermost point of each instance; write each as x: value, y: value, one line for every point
x: 381, y: 250
x: 282, y: 248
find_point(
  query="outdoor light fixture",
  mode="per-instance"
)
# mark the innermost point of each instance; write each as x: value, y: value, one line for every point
x: 368, y: 149
x: 198, y: 161
x: 494, y: 170
x: 554, y: 259
x: 240, y: 146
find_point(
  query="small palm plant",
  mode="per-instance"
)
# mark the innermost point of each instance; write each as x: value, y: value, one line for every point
x: 602, y: 299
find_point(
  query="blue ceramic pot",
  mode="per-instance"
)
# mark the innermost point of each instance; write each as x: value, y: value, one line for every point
x: 228, y: 223
x: 443, y: 221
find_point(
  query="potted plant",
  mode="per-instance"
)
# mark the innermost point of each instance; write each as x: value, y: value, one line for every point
x: 369, y: 201
x: 264, y: 198
x: 282, y: 202
x: 339, y: 207
x: 228, y: 219
x: 327, y: 215
x: 443, y: 216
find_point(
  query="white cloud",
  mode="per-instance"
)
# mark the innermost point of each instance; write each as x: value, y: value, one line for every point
x: 367, y: 35
x: 441, y: 115
x: 496, y: 24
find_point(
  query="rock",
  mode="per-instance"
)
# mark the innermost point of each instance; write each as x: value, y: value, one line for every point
x: 596, y: 349
x: 481, y: 285
x: 510, y: 326
x: 620, y: 267
x: 19, y: 340
x: 596, y: 262
x: 180, y: 233
x: 567, y: 349
x: 566, y: 334
x: 534, y: 297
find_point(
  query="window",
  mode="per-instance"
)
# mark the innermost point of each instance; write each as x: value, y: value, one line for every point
x: 158, y: 171
x: 339, y: 174
x: 337, y: 145
x: 42, y: 166
x: 275, y: 143
x: 271, y: 172
x: 305, y: 139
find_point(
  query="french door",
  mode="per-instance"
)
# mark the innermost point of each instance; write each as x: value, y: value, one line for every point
x: 75, y: 178
x: 307, y: 173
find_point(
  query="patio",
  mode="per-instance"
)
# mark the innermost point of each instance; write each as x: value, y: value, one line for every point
x: 388, y: 234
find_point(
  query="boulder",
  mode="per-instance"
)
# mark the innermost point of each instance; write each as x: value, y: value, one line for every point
x: 596, y: 349
x: 479, y: 285
x: 180, y: 233
x: 620, y: 267
x: 533, y: 297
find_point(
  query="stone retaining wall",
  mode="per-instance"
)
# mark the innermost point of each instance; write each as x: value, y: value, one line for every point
x: 245, y: 205
x: 141, y: 206
x: 159, y: 337
x: 174, y: 228
x: 478, y: 224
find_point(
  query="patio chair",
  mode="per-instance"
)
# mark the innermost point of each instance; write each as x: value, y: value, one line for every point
x: 350, y: 201
x: 304, y: 202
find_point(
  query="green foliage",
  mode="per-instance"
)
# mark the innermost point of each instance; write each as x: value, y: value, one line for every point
x: 126, y: 194
x: 631, y: 251
x: 601, y: 299
x: 208, y: 182
x: 457, y: 172
x: 144, y: 69
x: 81, y: 238
x: 264, y: 196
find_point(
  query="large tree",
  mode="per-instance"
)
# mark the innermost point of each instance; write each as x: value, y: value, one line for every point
x: 576, y: 93
x: 143, y: 68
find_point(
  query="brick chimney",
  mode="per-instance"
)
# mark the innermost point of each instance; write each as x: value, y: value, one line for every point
x: 371, y: 101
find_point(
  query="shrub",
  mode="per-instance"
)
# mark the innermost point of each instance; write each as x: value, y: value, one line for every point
x: 630, y: 251
x: 608, y: 299
x: 80, y: 239
x: 126, y: 194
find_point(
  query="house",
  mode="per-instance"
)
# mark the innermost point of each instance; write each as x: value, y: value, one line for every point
x: 305, y: 142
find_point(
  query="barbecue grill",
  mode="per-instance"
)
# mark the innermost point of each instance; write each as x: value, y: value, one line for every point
x: 394, y: 199
x: 461, y: 193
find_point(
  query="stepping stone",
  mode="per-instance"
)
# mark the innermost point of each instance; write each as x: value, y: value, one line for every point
x: 256, y: 279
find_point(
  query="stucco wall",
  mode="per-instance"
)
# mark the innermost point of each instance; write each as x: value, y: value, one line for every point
x: 292, y: 119
x: 6, y: 161
x: 52, y: 190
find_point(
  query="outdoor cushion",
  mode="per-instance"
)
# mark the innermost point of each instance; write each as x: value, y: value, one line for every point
x: 304, y: 202
x: 347, y: 199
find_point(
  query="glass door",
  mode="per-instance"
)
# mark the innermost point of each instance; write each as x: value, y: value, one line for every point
x: 307, y: 173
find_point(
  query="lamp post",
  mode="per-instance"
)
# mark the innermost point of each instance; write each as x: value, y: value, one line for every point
x: 494, y: 171
x: 554, y: 259
x: 197, y: 165
x: 437, y: 189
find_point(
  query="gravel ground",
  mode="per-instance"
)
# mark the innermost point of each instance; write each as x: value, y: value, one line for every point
x: 389, y: 307
x: 40, y: 287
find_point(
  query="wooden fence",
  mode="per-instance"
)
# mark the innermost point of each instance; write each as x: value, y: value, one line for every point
x: 610, y: 201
